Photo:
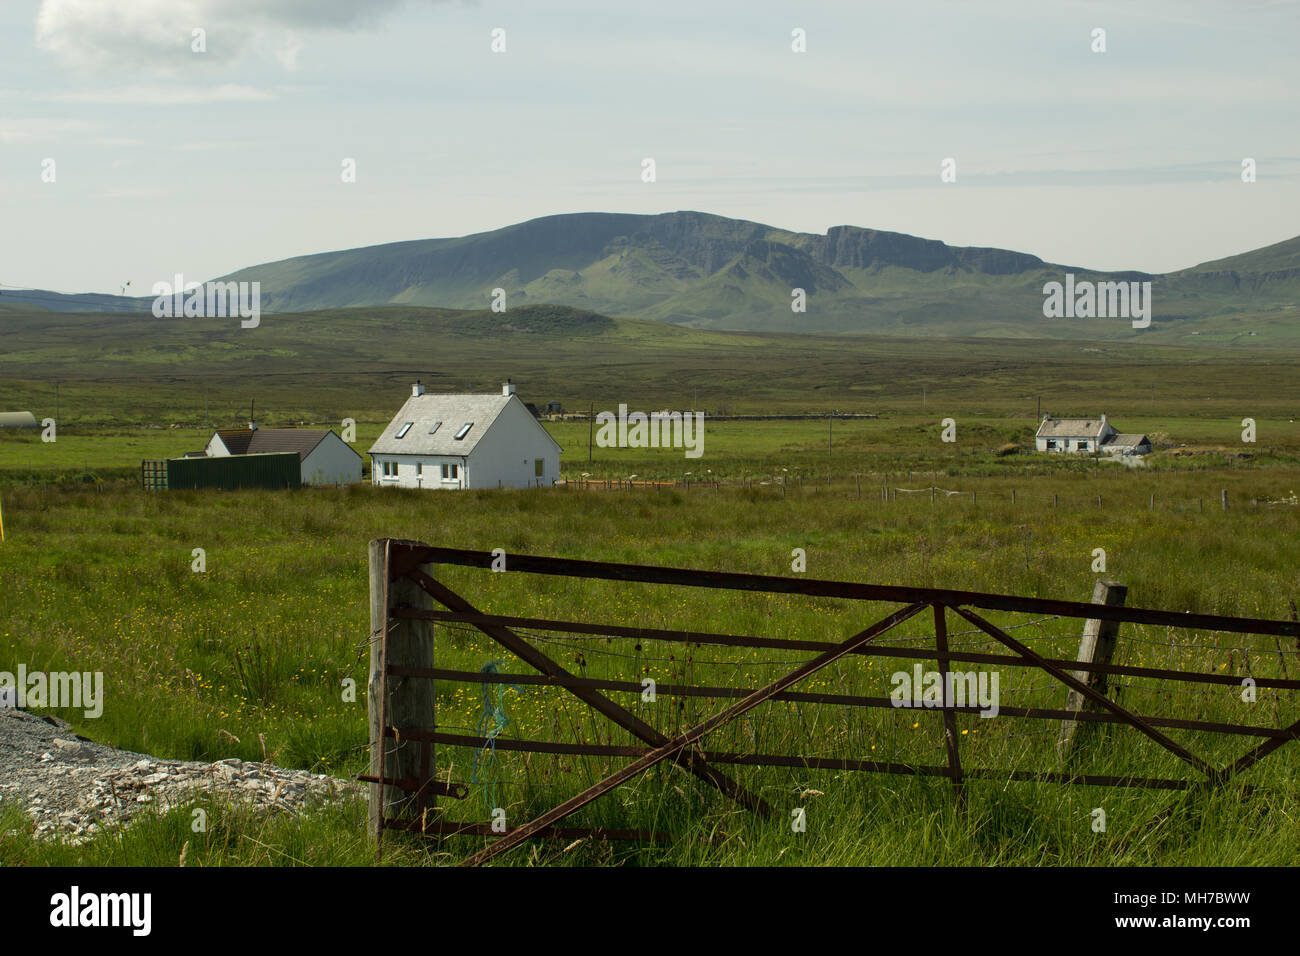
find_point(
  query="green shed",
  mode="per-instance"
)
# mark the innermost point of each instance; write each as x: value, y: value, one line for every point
x: 278, y: 470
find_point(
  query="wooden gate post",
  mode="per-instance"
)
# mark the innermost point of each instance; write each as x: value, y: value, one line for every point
x: 409, y: 700
x: 1097, y: 646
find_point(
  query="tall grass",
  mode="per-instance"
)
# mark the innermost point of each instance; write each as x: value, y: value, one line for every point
x: 197, y: 666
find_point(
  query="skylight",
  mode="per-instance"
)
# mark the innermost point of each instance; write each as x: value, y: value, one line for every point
x: 434, y: 429
x: 401, y: 432
x: 464, y: 430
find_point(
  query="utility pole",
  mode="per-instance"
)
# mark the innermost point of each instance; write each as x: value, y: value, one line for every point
x: 591, y: 430
x: 830, y: 432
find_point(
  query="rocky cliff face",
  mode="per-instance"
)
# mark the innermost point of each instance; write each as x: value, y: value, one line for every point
x: 856, y: 248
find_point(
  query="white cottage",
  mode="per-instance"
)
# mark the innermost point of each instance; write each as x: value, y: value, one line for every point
x: 464, y: 441
x: 325, y: 458
x: 1087, y: 435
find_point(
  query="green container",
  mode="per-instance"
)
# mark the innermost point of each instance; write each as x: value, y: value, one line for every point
x: 280, y: 470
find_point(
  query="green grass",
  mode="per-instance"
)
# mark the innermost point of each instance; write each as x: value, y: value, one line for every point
x: 95, y: 574
x: 198, y: 665
x: 907, y: 448
x: 326, y: 366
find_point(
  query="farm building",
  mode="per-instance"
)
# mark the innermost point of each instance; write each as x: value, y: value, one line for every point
x: 18, y: 420
x: 225, y: 473
x: 324, y: 458
x: 464, y: 441
x: 1087, y: 435
x: 1122, y: 444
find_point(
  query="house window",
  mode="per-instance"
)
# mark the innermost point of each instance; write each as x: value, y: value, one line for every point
x: 538, y: 467
x: 450, y: 471
x: 401, y: 432
x: 419, y: 468
x: 464, y: 430
x: 390, y: 469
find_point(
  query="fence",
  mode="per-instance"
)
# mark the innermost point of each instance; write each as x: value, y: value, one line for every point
x: 153, y: 475
x: 405, y: 667
x: 854, y: 485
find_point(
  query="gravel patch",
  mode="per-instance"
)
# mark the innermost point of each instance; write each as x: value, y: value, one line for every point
x: 73, y: 787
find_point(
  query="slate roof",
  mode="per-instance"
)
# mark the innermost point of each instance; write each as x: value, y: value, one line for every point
x: 269, y: 441
x: 1128, y: 441
x: 454, y: 411
x: 1071, y: 428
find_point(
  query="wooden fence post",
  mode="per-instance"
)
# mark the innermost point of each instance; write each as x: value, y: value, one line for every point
x: 1097, y: 646
x: 1225, y: 499
x: 409, y: 701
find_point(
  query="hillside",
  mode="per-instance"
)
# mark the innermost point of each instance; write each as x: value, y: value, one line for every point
x: 331, y: 364
x: 706, y: 271
x: 687, y: 267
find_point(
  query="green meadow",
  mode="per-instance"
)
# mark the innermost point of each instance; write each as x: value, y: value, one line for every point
x: 259, y: 649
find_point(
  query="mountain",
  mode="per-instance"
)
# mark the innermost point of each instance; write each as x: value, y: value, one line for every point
x: 706, y: 271
x: 685, y: 267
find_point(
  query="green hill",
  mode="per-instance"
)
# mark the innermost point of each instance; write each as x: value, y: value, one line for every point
x: 706, y: 271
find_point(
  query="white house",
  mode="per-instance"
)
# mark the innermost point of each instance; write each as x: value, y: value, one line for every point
x: 326, y: 458
x: 464, y: 441
x: 1095, y: 435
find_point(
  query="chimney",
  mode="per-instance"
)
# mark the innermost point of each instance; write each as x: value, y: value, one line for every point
x: 1103, y: 418
x: 417, y: 390
x: 252, y: 416
x: 507, y: 388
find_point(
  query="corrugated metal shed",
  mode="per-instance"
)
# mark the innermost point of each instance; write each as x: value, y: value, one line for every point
x: 281, y: 470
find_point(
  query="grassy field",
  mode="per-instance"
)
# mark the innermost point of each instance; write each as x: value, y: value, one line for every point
x: 261, y: 643
x: 96, y: 574
x: 323, y: 367
x: 905, y: 448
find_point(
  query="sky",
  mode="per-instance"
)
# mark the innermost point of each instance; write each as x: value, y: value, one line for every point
x: 169, y: 159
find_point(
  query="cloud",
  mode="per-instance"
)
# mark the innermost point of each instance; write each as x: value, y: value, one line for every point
x: 157, y: 34
x: 169, y: 95
x: 35, y: 130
